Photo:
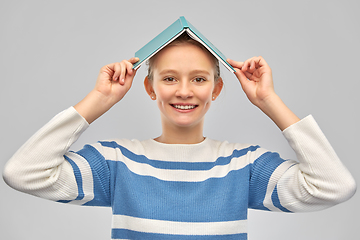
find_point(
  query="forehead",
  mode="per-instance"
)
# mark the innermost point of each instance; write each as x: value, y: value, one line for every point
x: 183, y: 58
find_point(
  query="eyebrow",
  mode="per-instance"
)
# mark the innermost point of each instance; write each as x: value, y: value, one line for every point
x: 166, y: 71
x: 173, y: 71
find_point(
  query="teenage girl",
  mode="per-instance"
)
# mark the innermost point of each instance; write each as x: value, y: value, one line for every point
x: 180, y: 184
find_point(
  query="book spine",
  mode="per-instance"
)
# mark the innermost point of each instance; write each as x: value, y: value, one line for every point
x: 184, y: 23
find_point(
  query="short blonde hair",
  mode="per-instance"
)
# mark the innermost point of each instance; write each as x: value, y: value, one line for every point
x: 185, y: 39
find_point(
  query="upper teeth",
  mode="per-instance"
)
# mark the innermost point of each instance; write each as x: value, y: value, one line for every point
x: 184, y: 107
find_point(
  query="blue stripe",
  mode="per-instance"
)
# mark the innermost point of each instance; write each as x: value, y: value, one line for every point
x: 101, y: 176
x: 261, y: 171
x: 179, y: 165
x: 128, y: 234
x: 215, y: 200
x: 64, y: 201
x: 276, y: 201
x: 79, y: 181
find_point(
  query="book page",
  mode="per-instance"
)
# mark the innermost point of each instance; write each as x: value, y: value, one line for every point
x: 196, y: 38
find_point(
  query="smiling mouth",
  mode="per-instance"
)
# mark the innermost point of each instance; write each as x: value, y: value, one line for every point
x: 184, y: 107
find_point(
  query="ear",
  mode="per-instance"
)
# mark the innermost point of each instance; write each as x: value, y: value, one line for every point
x: 149, y: 88
x: 217, y: 88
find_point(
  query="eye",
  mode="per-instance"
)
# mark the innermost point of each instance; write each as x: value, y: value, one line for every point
x: 169, y: 79
x: 199, y: 80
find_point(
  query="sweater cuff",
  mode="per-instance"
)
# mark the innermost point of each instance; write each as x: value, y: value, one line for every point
x: 305, y: 137
x: 304, y: 133
x: 72, y: 112
x: 305, y: 122
x: 70, y: 122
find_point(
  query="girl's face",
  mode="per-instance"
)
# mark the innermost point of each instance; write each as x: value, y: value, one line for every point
x: 183, y: 85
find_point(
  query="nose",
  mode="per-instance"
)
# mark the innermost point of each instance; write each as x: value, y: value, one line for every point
x: 184, y: 90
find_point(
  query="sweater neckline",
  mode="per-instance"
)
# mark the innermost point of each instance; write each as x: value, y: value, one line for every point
x: 204, y: 142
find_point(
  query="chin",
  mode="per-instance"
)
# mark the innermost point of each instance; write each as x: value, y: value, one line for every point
x: 188, y: 124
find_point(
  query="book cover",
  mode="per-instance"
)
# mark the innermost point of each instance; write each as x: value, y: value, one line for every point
x: 180, y: 26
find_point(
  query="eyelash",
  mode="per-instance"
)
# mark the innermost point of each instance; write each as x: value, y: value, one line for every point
x: 196, y: 80
x: 169, y: 79
x: 199, y: 78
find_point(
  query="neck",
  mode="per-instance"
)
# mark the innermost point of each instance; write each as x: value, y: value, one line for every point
x: 181, y: 135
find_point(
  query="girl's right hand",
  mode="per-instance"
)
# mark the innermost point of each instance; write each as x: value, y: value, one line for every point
x: 113, y: 82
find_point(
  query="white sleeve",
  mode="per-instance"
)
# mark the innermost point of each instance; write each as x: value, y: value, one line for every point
x: 320, y: 180
x: 39, y: 167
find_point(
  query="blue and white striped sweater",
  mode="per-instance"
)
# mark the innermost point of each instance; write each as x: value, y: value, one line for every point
x: 210, y: 182
x: 174, y: 191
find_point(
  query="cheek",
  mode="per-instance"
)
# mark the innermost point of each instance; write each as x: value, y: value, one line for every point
x: 163, y: 95
x: 206, y: 97
x: 206, y: 94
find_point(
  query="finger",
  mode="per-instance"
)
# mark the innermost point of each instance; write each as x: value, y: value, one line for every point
x: 246, y: 65
x: 133, y: 60
x: 262, y: 62
x: 244, y: 82
x: 116, y: 69
x: 245, y: 75
x: 252, y: 65
x: 122, y: 72
x: 248, y: 75
x: 235, y: 64
x: 259, y: 61
x: 239, y: 74
x: 129, y: 70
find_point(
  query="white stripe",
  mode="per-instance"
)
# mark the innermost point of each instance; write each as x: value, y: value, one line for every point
x: 87, y: 179
x: 144, y: 169
x: 275, y: 176
x: 178, y: 228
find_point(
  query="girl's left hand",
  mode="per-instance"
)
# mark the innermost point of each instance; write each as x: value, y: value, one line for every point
x: 256, y: 80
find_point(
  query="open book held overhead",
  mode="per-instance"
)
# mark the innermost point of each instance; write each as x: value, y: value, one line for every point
x: 171, y: 33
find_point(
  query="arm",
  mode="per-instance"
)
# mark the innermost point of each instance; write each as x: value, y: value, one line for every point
x: 44, y: 167
x: 317, y: 181
x: 320, y: 179
x: 39, y: 167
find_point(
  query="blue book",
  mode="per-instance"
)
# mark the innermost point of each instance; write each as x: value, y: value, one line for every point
x: 171, y: 33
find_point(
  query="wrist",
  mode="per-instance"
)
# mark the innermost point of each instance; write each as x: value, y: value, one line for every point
x: 277, y: 111
x: 93, y: 106
x: 271, y: 103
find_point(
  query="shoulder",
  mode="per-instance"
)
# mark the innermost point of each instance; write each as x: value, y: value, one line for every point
x: 131, y: 144
x: 110, y: 148
x: 252, y: 151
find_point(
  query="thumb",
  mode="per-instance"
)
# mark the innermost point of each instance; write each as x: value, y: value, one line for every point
x: 241, y: 77
x: 133, y: 60
x: 235, y: 64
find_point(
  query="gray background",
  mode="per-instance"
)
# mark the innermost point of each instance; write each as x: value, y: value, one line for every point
x: 51, y: 52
